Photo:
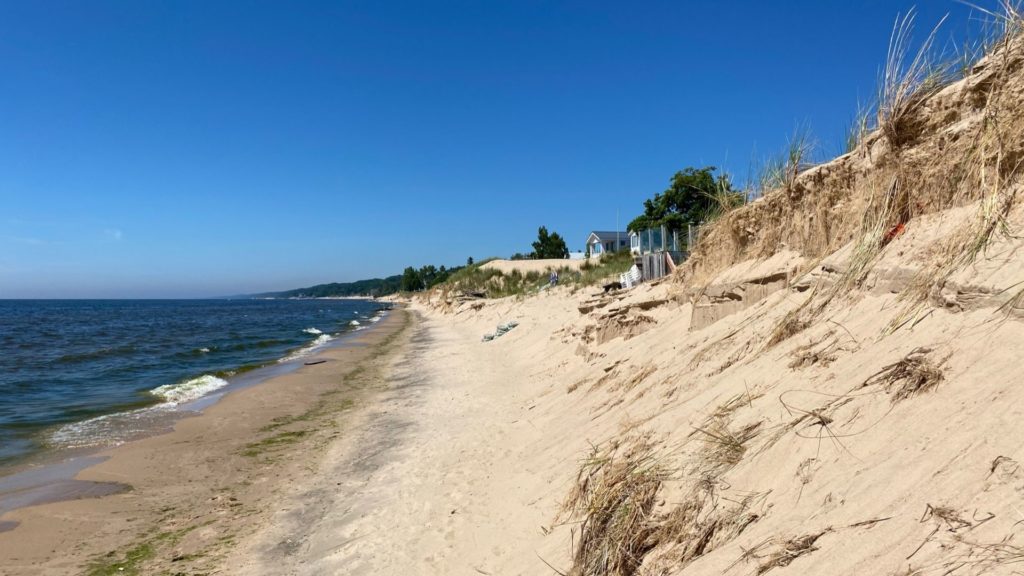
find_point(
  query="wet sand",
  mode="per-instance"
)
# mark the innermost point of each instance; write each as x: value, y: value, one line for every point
x: 186, y: 497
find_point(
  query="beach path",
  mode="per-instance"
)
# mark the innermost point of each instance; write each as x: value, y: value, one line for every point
x: 437, y: 477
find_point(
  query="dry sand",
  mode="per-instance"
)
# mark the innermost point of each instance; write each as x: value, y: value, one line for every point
x: 803, y: 396
x: 459, y: 454
x: 527, y: 266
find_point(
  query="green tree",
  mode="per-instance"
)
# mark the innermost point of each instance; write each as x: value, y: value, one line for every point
x: 411, y: 280
x: 549, y: 245
x: 428, y: 274
x: 469, y: 261
x: 694, y: 195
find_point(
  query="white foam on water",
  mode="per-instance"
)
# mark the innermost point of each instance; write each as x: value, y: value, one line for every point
x: 114, y: 429
x: 204, y: 350
x: 309, y: 349
x: 312, y: 331
x: 106, y: 430
x: 175, y: 394
x: 354, y: 323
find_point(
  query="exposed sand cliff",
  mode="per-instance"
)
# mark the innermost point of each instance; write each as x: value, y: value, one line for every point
x: 828, y: 386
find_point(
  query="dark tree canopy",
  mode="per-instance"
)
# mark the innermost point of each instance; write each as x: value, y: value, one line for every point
x: 549, y: 245
x: 372, y: 287
x: 411, y: 280
x: 693, y: 196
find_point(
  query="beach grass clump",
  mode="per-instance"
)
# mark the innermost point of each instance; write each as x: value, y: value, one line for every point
x: 615, y: 493
x: 881, y: 221
x: 705, y: 520
x: 609, y: 266
x: 859, y: 128
x: 618, y: 489
x: 725, y: 445
x: 906, y: 85
x: 781, y: 171
x: 702, y: 523
x: 914, y: 374
x: 989, y: 174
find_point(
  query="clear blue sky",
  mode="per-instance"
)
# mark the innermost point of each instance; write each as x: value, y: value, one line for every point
x: 180, y: 149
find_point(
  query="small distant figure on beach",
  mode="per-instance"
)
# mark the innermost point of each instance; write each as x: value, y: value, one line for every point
x: 553, y: 279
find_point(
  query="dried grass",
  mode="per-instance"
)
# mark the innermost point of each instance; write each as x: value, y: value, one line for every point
x: 725, y: 446
x: 615, y: 494
x: 791, y: 324
x: 618, y: 487
x: 780, y: 172
x: 906, y: 86
x: 702, y: 524
x: 779, y: 552
x: 987, y: 173
x: 786, y: 551
x: 859, y: 128
x: 815, y: 353
x: 914, y: 374
x: 1015, y: 305
x: 882, y: 215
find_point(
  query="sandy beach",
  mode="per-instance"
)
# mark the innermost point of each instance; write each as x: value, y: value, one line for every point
x: 195, y: 491
x: 443, y: 454
x: 828, y: 385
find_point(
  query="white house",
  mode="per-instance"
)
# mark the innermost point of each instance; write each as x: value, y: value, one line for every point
x: 601, y: 242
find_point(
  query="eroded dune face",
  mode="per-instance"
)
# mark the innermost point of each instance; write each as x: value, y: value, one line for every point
x: 828, y: 386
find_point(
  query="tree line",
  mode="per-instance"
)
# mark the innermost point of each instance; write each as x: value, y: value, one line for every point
x: 694, y: 196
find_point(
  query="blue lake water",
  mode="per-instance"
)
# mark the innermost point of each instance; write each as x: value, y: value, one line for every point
x: 75, y: 373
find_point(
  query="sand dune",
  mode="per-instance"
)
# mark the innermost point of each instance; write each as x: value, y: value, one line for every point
x: 829, y: 385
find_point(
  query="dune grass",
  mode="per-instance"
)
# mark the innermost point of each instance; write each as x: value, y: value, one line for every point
x: 905, y: 85
x: 615, y: 494
x: 495, y: 284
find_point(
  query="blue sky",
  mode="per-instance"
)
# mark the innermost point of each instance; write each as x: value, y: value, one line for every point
x: 189, y: 149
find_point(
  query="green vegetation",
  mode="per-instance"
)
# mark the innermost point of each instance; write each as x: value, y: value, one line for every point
x: 906, y: 85
x: 694, y: 195
x: 476, y: 279
x: 859, y: 128
x: 274, y: 442
x: 131, y: 561
x: 371, y: 287
x: 413, y: 280
x: 494, y: 284
x: 780, y: 172
x: 549, y: 245
x: 128, y: 564
x: 610, y: 266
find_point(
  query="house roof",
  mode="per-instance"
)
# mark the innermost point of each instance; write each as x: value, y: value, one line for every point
x: 603, y: 237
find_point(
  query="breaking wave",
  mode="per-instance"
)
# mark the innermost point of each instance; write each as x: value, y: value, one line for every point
x: 175, y: 394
